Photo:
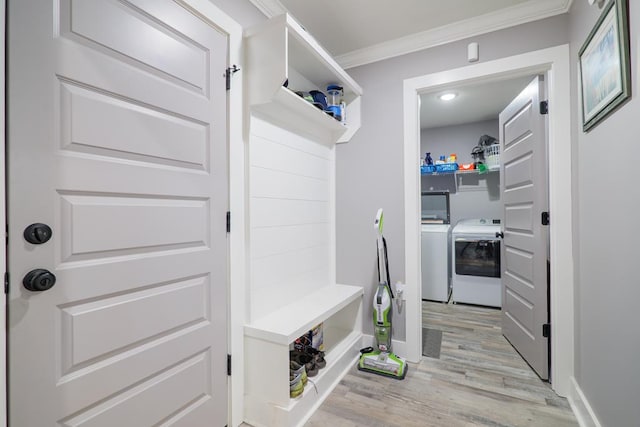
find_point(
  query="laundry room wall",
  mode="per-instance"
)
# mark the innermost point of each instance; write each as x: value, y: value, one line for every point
x: 369, y: 171
x: 459, y: 139
x: 473, y: 195
x: 606, y: 236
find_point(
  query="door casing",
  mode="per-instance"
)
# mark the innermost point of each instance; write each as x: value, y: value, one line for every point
x: 3, y: 220
x: 554, y: 62
x: 238, y: 255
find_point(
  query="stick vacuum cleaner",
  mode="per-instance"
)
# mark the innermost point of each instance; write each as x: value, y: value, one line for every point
x: 381, y: 360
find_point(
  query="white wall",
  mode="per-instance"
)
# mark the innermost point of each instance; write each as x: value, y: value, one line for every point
x: 370, y: 167
x: 607, y: 197
x: 291, y: 217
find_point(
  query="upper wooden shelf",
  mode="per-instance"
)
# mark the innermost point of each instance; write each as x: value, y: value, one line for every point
x: 281, y: 50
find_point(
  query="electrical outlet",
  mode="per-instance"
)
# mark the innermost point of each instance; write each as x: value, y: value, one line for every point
x: 400, y: 290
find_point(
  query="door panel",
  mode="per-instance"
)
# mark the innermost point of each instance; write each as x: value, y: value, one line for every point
x: 107, y: 126
x: 170, y: 52
x: 92, y: 331
x: 125, y: 227
x: 122, y: 410
x: 117, y: 140
x: 524, y: 250
x: 520, y: 217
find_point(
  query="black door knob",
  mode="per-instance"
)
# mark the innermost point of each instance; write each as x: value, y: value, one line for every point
x: 39, y: 280
x: 37, y: 233
x: 499, y: 235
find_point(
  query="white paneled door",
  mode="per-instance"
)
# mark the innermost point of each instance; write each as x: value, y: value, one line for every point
x: 117, y: 141
x: 525, y: 306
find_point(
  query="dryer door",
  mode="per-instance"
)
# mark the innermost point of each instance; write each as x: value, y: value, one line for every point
x: 477, y: 257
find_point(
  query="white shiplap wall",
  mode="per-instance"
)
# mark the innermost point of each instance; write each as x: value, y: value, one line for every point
x: 291, y: 216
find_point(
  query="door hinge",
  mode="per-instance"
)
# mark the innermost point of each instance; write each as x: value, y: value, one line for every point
x: 229, y: 364
x: 544, y: 107
x: 228, y: 73
x: 6, y: 282
x: 546, y: 330
x: 228, y: 222
x: 545, y: 218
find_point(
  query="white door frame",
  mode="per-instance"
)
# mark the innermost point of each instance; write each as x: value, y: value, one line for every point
x: 555, y: 62
x: 237, y: 255
x: 236, y: 290
x: 3, y: 220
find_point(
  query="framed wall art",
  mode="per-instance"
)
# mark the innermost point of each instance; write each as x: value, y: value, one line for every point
x: 605, y: 71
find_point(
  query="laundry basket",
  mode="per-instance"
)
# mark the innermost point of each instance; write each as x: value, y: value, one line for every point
x: 492, y: 156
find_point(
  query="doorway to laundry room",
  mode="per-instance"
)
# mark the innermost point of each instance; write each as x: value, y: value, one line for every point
x: 465, y: 257
x: 481, y: 193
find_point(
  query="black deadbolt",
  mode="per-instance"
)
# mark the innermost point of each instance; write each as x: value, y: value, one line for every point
x: 39, y: 280
x: 37, y: 233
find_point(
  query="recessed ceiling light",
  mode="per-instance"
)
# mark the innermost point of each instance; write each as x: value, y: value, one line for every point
x: 447, y: 96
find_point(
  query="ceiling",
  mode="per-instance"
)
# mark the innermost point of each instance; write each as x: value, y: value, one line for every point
x: 358, y: 32
x: 473, y: 103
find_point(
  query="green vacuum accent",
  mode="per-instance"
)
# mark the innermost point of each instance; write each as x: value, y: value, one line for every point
x: 381, y: 360
x: 383, y: 363
x: 380, y: 222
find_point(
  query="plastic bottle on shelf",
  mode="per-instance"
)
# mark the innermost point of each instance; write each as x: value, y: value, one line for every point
x: 334, y: 101
x: 427, y: 159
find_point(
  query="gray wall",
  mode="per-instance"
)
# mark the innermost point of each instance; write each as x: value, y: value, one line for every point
x: 369, y: 169
x: 608, y: 281
x: 458, y: 139
x: 475, y: 196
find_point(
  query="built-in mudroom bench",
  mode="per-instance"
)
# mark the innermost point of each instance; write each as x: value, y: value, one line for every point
x: 291, y: 222
x: 267, y: 341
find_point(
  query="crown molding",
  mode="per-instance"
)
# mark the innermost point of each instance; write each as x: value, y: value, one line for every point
x: 269, y: 8
x: 532, y: 10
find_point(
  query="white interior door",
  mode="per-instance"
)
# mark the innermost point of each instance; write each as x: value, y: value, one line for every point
x: 524, y: 249
x: 117, y: 141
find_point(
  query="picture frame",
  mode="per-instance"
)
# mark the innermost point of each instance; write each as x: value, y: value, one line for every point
x: 604, y: 66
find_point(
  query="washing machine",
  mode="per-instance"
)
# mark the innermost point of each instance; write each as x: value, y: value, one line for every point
x: 435, y: 241
x: 475, y: 260
x: 435, y: 261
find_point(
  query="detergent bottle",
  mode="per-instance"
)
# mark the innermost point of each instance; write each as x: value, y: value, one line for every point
x: 427, y: 159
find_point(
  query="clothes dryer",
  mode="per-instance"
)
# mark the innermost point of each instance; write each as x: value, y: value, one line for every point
x: 475, y: 258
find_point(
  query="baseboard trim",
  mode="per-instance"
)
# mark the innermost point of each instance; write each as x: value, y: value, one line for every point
x: 580, y: 406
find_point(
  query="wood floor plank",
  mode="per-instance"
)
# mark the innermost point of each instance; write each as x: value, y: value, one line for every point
x: 479, y: 380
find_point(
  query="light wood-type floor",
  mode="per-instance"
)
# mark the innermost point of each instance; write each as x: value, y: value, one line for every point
x: 479, y: 380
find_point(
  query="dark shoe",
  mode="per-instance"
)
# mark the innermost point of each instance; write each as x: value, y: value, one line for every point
x: 305, y: 359
x: 320, y: 362
x: 318, y: 357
